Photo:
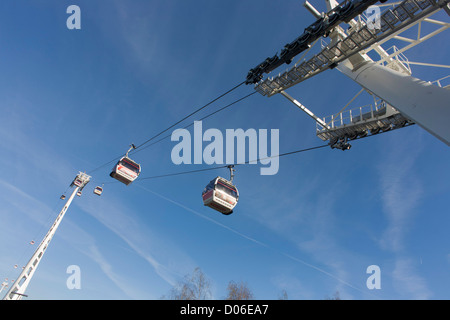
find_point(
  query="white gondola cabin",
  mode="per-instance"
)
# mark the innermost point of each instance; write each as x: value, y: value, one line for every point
x: 98, y: 191
x: 126, y: 170
x: 221, y: 195
x: 77, y: 182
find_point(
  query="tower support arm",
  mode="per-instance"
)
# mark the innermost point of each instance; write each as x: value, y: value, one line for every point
x: 306, y: 110
x: 422, y: 102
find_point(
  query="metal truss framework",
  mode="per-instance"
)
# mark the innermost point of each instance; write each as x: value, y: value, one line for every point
x: 351, y: 52
x: 17, y: 290
x: 362, y: 39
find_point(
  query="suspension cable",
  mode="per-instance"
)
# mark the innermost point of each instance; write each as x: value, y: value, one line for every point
x: 201, y: 119
x: 179, y: 121
x: 191, y: 114
x: 248, y: 161
x: 242, y: 163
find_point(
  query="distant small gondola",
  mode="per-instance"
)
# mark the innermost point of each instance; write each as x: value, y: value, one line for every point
x: 98, y: 191
x: 77, y: 182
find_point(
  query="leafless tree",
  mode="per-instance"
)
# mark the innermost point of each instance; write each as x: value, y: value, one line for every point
x: 192, y: 287
x: 238, y: 291
x: 336, y: 296
x: 283, y: 295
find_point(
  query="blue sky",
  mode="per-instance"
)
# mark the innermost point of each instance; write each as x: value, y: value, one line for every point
x: 72, y: 100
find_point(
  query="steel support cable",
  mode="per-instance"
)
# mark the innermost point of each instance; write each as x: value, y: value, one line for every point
x: 247, y: 162
x: 173, y: 125
x: 191, y: 114
x: 201, y: 119
x: 226, y: 166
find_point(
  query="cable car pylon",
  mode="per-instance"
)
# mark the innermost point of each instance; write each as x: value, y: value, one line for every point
x: 17, y: 290
x: 399, y: 99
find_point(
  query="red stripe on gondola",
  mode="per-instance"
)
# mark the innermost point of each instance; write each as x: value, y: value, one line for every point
x: 232, y: 189
x: 132, y: 164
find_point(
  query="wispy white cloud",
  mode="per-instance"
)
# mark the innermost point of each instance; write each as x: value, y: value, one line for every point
x: 309, y: 218
x: 292, y: 286
x: 168, y: 261
x: 401, y: 192
x: 338, y: 277
x: 138, y: 31
x: 408, y: 282
x: 118, y: 279
x: 27, y: 207
x: 165, y: 257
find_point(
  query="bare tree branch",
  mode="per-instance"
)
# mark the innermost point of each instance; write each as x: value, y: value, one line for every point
x: 193, y: 287
x: 238, y: 291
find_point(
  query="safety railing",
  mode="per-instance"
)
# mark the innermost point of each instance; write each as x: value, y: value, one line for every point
x: 443, y: 82
x: 354, y: 116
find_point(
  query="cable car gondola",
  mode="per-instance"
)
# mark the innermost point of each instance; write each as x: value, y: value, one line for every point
x: 98, y: 190
x: 126, y: 170
x: 221, y: 195
x: 77, y: 182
